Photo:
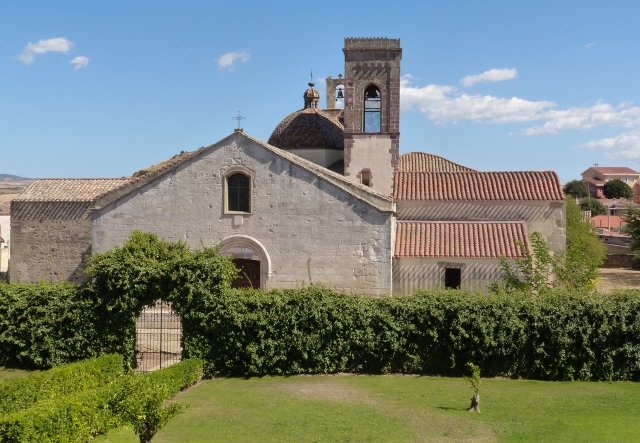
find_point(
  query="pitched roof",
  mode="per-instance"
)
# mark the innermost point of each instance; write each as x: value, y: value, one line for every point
x: 595, y: 181
x: 460, y: 239
x: 379, y: 200
x: 612, y: 170
x: 69, y: 189
x: 474, y: 185
x: 422, y: 161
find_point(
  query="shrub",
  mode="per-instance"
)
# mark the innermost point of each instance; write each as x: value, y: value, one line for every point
x: 82, y: 415
x: 21, y: 393
x: 46, y: 325
x: 557, y: 336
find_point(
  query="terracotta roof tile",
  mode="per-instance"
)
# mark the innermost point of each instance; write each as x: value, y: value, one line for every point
x: 69, y: 189
x: 614, y: 170
x: 474, y: 185
x: 308, y: 128
x: 422, y: 161
x: 460, y: 239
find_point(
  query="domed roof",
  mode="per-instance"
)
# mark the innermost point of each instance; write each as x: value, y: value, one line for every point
x: 311, y: 93
x: 308, y: 128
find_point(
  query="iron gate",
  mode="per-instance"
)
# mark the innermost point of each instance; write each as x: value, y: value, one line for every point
x: 158, y: 337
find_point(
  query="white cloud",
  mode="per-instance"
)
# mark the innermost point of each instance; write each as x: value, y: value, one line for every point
x: 585, y: 118
x: 444, y: 104
x: 492, y: 75
x: 30, y: 52
x: 626, y: 145
x: 80, y: 62
x: 588, y: 45
x: 226, y: 61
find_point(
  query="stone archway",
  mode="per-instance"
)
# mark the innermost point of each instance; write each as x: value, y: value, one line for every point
x: 246, y: 251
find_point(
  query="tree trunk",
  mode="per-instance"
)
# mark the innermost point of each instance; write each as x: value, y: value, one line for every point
x: 475, y: 403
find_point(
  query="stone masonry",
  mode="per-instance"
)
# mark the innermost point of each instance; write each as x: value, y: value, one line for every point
x: 305, y: 218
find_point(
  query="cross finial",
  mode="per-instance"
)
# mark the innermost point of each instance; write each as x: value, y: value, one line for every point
x: 239, y: 118
x: 311, y: 76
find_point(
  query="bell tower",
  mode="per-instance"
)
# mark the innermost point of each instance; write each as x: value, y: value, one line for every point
x: 372, y: 110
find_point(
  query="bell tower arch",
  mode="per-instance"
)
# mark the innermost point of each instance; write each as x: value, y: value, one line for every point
x: 372, y: 110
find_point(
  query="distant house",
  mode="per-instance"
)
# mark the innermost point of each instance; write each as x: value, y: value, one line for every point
x: 596, y: 176
x: 5, y: 237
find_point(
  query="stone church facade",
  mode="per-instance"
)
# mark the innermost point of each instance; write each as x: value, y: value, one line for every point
x: 327, y: 198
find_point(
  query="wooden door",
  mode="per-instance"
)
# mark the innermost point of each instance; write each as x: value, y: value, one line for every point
x: 249, y: 276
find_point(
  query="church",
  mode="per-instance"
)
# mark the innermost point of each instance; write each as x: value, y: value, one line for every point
x: 328, y: 198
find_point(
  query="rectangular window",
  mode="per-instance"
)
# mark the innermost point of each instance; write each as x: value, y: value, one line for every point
x: 452, y: 278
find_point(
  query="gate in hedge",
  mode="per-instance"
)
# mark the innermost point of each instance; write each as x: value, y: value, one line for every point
x: 158, y: 337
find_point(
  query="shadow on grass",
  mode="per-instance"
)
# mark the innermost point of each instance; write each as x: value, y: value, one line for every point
x: 446, y: 408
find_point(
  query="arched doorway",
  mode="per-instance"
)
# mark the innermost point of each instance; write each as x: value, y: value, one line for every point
x: 251, y: 257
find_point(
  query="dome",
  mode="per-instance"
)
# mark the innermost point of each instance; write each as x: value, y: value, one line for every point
x: 308, y: 128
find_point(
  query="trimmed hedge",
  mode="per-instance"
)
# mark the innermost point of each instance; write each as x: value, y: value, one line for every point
x: 81, y: 416
x: 46, y: 325
x: 21, y: 393
x: 560, y: 336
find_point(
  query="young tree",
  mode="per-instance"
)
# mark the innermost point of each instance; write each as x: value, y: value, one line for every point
x: 595, y: 206
x: 584, y: 253
x: 575, y: 268
x: 576, y: 188
x: 617, y: 189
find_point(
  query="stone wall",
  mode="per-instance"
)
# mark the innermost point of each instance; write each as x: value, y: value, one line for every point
x: 49, y: 241
x: 372, y: 61
x: 299, y: 223
x: 411, y: 274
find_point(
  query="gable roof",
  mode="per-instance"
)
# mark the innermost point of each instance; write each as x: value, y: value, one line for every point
x: 612, y: 170
x: 381, y: 201
x: 475, y: 185
x: 69, y: 189
x: 422, y: 161
x: 460, y: 239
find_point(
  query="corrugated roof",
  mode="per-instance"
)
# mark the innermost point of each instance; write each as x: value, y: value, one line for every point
x: 69, y: 189
x: 422, y: 161
x: 460, y: 239
x: 474, y: 185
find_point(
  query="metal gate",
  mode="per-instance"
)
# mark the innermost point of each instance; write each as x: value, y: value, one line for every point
x: 158, y: 337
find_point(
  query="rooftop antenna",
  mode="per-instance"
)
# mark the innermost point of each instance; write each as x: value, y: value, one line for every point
x: 239, y: 118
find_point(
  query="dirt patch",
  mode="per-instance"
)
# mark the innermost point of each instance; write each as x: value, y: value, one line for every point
x: 326, y: 389
x: 612, y: 279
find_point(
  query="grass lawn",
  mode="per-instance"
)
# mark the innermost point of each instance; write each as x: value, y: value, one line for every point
x: 348, y: 408
x: 10, y: 373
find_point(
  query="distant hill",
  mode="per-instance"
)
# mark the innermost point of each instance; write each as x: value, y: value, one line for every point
x: 8, y: 178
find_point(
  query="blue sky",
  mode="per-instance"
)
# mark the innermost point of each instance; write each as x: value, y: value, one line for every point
x: 103, y: 89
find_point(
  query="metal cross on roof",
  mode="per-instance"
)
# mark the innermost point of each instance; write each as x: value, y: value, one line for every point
x: 311, y: 76
x: 239, y: 118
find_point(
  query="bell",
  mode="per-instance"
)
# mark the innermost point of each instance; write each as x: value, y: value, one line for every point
x: 340, y: 95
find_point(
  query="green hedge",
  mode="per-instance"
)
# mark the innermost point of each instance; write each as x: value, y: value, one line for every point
x: 21, y: 393
x: 81, y: 416
x: 555, y: 337
x: 46, y: 325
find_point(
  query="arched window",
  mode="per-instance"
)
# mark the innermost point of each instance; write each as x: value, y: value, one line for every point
x: 238, y: 192
x: 372, y: 109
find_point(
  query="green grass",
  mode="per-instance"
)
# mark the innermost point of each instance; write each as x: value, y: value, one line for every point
x: 10, y: 373
x: 400, y: 409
